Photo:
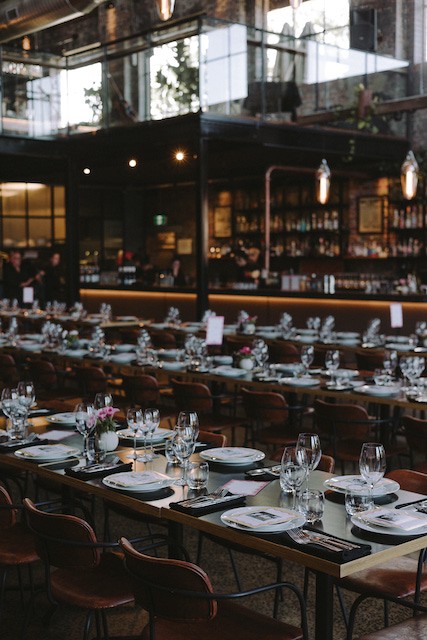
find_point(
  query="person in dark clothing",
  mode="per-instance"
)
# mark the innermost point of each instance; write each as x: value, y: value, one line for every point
x: 16, y: 276
x: 53, y: 279
x: 179, y: 278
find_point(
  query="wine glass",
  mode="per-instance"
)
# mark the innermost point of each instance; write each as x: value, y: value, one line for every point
x: 310, y: 443
x: 9, y: 403
x: 85, y: 418
x: 332, y: 362
x: 307, y: 357
x: 135, y: 422
x: 103, y: 400
x: 152, y: 421
x: 188, y: 420
x: 390, y: 363
x: 26, y: 395
x: 183, y: 447
x: 293, y: 470
x: 372, y: 463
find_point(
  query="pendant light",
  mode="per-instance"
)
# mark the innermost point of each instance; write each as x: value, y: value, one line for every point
x: 409, y: 176
x: 165, y: 9
x: 295, y: 3
x: 323, y: 182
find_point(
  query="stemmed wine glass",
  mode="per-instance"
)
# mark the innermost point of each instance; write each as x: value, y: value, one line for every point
x: 188, y: 420
x: 372, y: 463
x: 26, y: 395
x: 9, y: 404
x: 152, y: 421
x: 183, y: 443
x: 103, y: 400
x: 332, y: 362
x: 293, y: 470
x: 135, y: 422
x: 85, y: 417
x: 310, y: 443
x: 307, y: 357
x: 390, y: 363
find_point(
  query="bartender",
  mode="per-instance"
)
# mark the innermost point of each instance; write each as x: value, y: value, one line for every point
x: 16, y: 276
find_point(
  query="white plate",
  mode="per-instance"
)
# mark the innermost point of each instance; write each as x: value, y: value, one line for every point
x: 68, y: 417
x: 300, y: 382
x: 125, y: 348
x: 76, y: 353
x: 158, y: 436
x: 158, y: 325
x: 230, y: 372
x: 399, y: 339
x: 46, y: 452
x: 162, y: 482
x: 167, y: 353
x: 268, y: 335
x: 306, y: 339
x: 339, y: 373
x: 378, y: 391
x: 296, y: 522
x: 122, y: 358
x: 307, y: 332
x: 223, y: 359
x: 238, y: 455
x: 347, y: 335
x: 399, y: 346
x: 348, y: 342
x: 169, y: 365
x: 387, y: 531
x: 30, y: 346
x: 382, y: 488
x: 127, y: 319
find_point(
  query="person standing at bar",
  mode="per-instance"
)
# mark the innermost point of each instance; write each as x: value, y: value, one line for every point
x: 16, y: 276
x: 53, y: 279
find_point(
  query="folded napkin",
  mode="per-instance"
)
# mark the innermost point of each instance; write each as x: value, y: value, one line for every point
x: 136, y: 479
x: 262, y: 517
x: 231, y: 453
x: 98, y: 470
x: 199, y: 507
x: 49, y: 451
x: 390, y: 518
x: 13, y: 445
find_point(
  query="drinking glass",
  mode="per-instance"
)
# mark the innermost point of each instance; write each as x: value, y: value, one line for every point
x: 372, y: 463
x: 293, y: 470
x: 152, y: 421
x: 85, y: 416
x: 307, y: 356
x: 135, y: 422
x: 189, y: 420
x: 103, y: 400
x: 312, y: 505
x: 357, y: 499
x: 332, y: 362
x: 197, y: 475
x: 26, y: 395
x: 390, y: 362
x: 183, y: 447
x: 8, y: 399
x: 310, y: 443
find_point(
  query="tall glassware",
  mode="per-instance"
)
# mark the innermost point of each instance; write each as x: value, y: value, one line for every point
x: 135, y: 422
x: 152, y: 421
x: 310, y: 442
x: 372, y: 463
x: 85, y: 416
x: 293, y: 470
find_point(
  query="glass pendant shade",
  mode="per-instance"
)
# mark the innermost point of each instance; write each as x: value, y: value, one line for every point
x: 295, y: 3
x: 323, y: 182
x: 409, y: 176
x: 165, y: 8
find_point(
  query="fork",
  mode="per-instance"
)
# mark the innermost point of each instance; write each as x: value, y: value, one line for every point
x: 301, y: 537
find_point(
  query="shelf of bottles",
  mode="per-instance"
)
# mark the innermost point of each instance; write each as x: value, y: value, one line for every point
x: 407, y: 223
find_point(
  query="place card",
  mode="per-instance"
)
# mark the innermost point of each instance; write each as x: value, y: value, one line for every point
x: 262, y: 517
x: 245, y: 487
x: 215, y: 330
x: 396, y: 315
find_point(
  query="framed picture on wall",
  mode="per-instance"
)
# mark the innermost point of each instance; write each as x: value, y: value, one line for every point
x: 371, y: 214
x: 166, y: 240
x: 222, y: 222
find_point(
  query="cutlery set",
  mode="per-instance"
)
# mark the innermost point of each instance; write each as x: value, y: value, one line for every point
x: 328, y: 542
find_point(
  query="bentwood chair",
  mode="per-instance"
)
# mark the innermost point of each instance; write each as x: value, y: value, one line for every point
x: 79, y: 571
x: 326, y: 463
x: 416, y: 437
x: 9, y: 373
x: 17, y: 545
x: 283, y: 352
x: 393, y: 581
x: 182, y: 604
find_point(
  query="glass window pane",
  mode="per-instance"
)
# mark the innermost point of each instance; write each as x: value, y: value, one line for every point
x: 59, y: 201
x: 39, y: 200
x: 13, y: 195
x: 113, y: 234
x: 40, y: 232
x: 59, y: 228
x: 14, y: 232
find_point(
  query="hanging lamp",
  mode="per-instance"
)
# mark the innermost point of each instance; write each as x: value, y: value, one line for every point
x: 323, y: 182
x: 165, y: 9
x: 409, y: 176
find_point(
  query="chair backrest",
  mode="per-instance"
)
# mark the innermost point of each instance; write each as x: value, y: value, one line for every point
x: 7, y: 516
x: 91, y: 380
x: 234, y: 343
x: 59, y: 536
x: 142, y: 390
x: 342, y: 420
x: 410, y: 480
x: 157, y: 583
x: 163, y: 340
x: 326, y: 463
x: 416, y: 433
x: 265, y: 406
x: 370, y: 360
x: 217, y: 439
x: 44, y: 374
x: 8, y: 370
x: 284, y: 352
x: 192, y: 396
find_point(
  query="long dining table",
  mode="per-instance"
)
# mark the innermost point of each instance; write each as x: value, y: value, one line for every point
x: 335, y: 522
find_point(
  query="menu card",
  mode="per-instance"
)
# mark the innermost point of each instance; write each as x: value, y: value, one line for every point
x: 215, y: 330
x: 391, y: 518
x: 261, y: 517
x: 135, y: 479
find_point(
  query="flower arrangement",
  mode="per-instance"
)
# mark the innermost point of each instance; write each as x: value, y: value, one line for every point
x: 244, y: 352
x: 244, y: 358
x: 105, y: 419
x: 246, y: 323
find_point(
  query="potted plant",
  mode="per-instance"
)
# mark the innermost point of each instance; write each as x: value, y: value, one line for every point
x: 245, y: 359
x: 106, y: 428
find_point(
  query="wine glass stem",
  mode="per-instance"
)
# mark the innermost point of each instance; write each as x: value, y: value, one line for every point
x: 85, y: 445
x: 135, y: 455
x: 294, y: 498
x: 184, y: 472
x: 145, y: 445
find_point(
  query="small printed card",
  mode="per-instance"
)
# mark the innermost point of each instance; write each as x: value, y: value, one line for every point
x: 215, y: 330
x: 262, y: 517
x: 245, y: 487
x: 135, y: 479
x: 391, y: 518
x: 56, y: 435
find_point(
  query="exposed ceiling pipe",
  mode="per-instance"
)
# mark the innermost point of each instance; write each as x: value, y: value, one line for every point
x: 21, y: 17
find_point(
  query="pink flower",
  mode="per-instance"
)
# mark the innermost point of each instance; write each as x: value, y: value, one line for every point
x: 246, y: 351
x: 110, y: 411
x: 102, y: 413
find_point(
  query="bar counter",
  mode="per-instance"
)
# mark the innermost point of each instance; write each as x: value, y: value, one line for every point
x: 351, y: 313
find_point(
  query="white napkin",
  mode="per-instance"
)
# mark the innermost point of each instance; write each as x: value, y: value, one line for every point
x: 392, y: 518
x: 261, y: 517
x: 230, y: 453
x: 57, y: 435
x: 47, y: 450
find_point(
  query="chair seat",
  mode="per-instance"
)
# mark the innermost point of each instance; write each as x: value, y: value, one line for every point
x: 17, y: 546
x: 105, y: 586
x: 395, y: 579
x: 212, y: 422
x: 349, y: 450
x: 276, y: 434
x: 413, y: 629
x: 232, y: 622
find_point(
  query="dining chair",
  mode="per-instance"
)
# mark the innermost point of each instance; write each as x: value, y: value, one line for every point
x: 163, y: 339
x: 283, y: 352
x: 271, y: 420
x: 79, y: 570
x: 343, y: 429
x: 326, y: 463
x: 368, y: 361
x: 17, y: 546
x: 215, y: 439
x: 195, y: 396
x: 144, y: 390
x: 415, y: 430
x: 48, y: 380
x: 393, y: 581
x: 182, y: 604
x: 9, y: 372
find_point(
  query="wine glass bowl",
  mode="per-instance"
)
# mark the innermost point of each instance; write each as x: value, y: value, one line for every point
x: 372, y: 463
x: 152, y: 421
x: 310, y: 443
x: 307, y: 357
x: 293, y: 470
x: 135, y: 422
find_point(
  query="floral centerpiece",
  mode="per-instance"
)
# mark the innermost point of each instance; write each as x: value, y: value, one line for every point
x: 246, y: 324
x: 105, y: 427
x: 72, y: 339
x: 244, y: 358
